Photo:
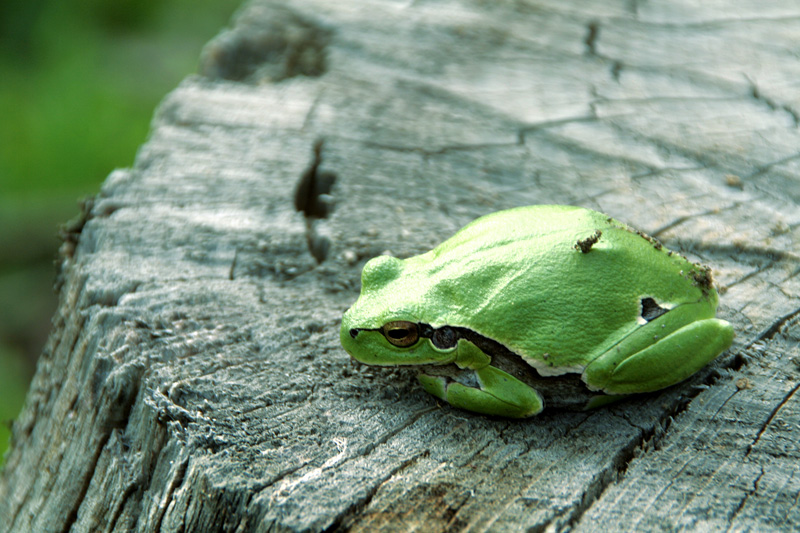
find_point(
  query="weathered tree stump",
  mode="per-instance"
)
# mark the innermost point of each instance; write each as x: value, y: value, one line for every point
x: 194, y: 379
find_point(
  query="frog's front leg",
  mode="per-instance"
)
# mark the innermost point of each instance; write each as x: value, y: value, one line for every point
x: 493, y: 392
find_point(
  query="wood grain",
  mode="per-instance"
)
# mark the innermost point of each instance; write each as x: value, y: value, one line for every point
x: 194, y: 380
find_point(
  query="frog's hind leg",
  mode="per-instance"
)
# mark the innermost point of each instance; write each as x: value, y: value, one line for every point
x: 662, y: 352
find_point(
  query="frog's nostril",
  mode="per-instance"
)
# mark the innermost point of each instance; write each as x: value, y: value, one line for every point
x: 353, y: 332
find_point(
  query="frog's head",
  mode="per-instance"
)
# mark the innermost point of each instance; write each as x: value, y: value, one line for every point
x: 386, y: 325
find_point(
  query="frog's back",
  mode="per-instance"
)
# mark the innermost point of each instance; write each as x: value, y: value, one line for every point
x: 517, y: 277
x: 519, y: 225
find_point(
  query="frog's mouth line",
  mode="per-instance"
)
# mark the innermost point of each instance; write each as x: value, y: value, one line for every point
x: 565, y: 391
x: 447, y: 337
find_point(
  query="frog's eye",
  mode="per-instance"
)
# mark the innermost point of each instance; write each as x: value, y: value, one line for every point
x: 401, y: 333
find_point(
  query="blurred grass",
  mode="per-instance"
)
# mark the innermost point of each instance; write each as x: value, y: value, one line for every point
x: 79, y: 81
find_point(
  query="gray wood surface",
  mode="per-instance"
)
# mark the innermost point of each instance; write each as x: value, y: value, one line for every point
x: 194, y: 379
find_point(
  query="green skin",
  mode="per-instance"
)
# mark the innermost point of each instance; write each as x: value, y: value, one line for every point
x: 518, y: 278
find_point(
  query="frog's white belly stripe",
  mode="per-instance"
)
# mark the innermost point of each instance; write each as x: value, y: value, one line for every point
x: 546, y: 370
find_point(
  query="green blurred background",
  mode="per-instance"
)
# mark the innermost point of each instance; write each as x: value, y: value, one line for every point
x: 79, y: 81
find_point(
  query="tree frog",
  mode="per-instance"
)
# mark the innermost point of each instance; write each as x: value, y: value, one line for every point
x: 559, y: 290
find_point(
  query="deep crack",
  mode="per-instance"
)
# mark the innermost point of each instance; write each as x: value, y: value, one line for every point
x: 313, y: 198
x: 592, y: 34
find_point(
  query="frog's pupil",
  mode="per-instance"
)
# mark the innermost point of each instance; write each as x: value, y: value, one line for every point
x: 398, y: 333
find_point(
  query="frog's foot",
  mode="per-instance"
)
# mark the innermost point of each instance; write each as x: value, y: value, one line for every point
x: 666, y: 351
x: 494, y: 392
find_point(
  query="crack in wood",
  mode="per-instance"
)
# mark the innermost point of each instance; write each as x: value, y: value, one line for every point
x: 755, y: 92
x: 682, y: 406
x: 341, y: 522
x: 186, y: 510
x: 175, y: 482
x: 313, y: 198
x: 127, y: 494
x: 675, y: 476
x: 382, y: 439
x: 671, y: 148
x: 232, y: 270
x: 546, y: 124
x: 790, y: 276
x: 616, y: 70
x: 168, y: 411
x: 72, y: 516
x: 627, y: 454
x: 655, y: 172
x: 740, y: 251
x: 592, y: 35
x: 759, y: 270
x: 344, y: 458
x: 782, y: 290
x: 429, y: 152
x: 680, y: 220
x: 771, y: 417
x: 745, y: 498
x: 451, y: 512
x: 766, y: 167
x: 608, y: 477
x: 771, y: 330
x: 283, y: 474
